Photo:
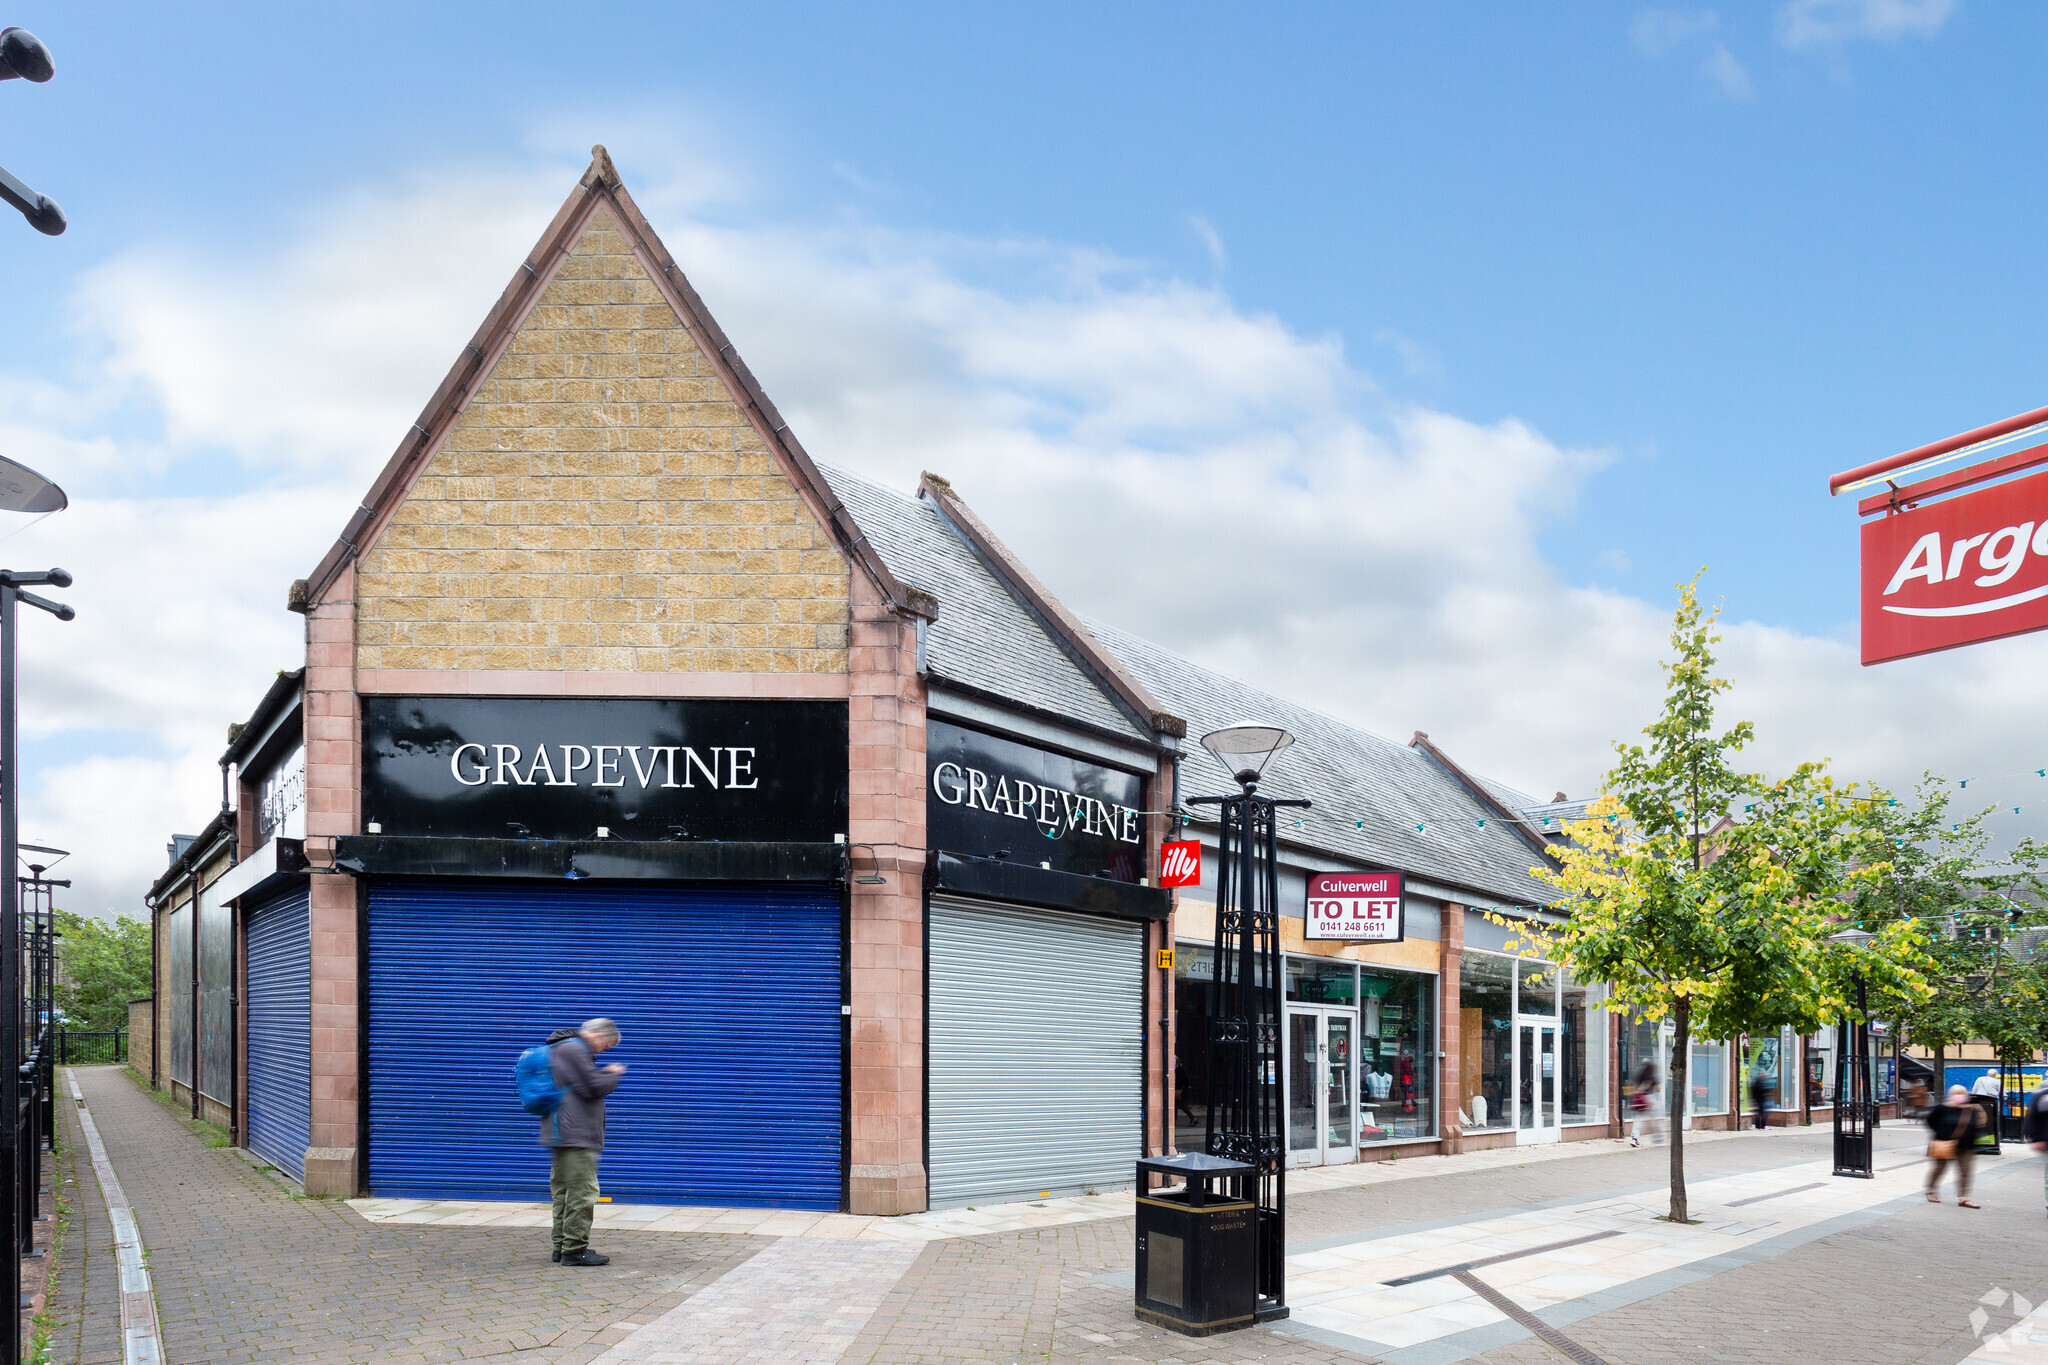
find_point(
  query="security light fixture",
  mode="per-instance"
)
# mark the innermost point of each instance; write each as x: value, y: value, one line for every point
x: 1245, y: 750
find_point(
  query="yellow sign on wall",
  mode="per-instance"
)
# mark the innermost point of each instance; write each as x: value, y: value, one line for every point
x: 1166, y: 959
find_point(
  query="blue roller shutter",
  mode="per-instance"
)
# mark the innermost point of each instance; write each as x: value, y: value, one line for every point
x: 728, y: 1000
x: 280, y: 1013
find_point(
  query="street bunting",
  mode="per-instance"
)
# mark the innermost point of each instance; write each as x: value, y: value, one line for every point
x: 1956, y: 572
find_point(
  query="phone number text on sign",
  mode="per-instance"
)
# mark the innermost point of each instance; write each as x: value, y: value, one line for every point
x: 1358, y: 907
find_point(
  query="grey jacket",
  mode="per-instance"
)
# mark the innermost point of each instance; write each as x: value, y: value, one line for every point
x: 579, y: 1120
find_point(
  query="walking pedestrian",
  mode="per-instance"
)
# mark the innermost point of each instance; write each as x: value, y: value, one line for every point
x: 1760, y: 1097
x: 2037, y: 1132
x: 1954, y: 1124
x: 574, y: 1133
x: 1642, y: 1102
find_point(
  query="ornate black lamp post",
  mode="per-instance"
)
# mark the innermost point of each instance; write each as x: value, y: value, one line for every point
x: 1245, y: 1123
x: 1855, y: 1112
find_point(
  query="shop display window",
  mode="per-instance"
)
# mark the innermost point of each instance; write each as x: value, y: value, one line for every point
x: 1707, y: 1078
x: 1396, y: 1071
x: 1486, y: 1018
x: 1320, y: 981
x: 1820, y: 1070
x: 1582, y: 1089
x: 1644, y: 1054
x: 1194, y: 1003
x: 1762, y: 1063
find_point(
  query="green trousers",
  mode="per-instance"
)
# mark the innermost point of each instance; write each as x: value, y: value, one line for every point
x: 572, y: 1179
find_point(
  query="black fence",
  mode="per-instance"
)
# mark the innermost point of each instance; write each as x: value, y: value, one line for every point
x: 86, y: 1049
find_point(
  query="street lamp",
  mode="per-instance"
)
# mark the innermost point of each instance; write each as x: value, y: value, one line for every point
x: 23, y: 57
x: 1855, y: 1114
x: 1244, y: 1121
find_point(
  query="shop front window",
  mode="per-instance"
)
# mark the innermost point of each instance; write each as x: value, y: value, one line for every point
x: 1707, y: 1078
x: 1320, y: 981
x: 1194, y: 1004
x: 1397, y: 1074
x: 1486, y: 1017
x: 1644, y: 1053
x: 1820, y: 1070
x: 1582, y: 1089
x: 1760, y: 1069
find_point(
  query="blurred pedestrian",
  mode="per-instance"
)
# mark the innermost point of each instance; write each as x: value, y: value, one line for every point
x: 1760, y: 1097
x: 575, y: 1133
x: 2037, y: 1132
x: 1954, y: 1124
x: 1642, y: 1102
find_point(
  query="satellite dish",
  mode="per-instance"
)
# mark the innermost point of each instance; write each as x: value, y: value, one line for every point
x: 24, y: 490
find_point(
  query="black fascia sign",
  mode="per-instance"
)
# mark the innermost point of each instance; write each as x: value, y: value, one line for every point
x: 640, y: 769
x: 996, y: 798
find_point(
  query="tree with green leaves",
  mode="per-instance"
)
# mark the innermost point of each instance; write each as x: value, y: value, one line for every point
x: 1706, y: 895
x: 1973, y: 910
x: 101, y: 966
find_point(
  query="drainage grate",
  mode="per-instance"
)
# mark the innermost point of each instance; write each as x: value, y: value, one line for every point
x: 1496, y: 1260
x: 1536, y: 1326
x: 1774, y: 1194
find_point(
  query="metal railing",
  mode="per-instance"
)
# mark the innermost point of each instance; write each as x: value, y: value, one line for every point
x: 89, y: 1049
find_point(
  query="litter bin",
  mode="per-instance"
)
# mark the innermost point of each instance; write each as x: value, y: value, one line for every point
x: 1197, y: 1264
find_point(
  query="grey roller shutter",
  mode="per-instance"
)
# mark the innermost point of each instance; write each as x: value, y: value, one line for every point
x: 1036, y: 1065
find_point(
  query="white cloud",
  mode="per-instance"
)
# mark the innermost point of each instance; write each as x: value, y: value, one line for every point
x: 1656, y: 32
x: 1128, y: 432
x: 1727, y: 73
x: 1831, y: 23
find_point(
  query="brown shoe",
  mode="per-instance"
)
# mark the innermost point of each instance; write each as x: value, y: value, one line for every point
x: 1966, y: 1204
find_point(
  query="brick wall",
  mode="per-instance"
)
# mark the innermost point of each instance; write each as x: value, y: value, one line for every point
x: 603, y: 505
x: 141, y: 1035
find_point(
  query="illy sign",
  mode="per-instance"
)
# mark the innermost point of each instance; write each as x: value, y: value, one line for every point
x: 1180, y: 863
x: 1952, y: 573
x: 1356, y: 907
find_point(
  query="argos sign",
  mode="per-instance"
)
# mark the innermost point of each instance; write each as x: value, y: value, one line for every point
x: 1952, y: 573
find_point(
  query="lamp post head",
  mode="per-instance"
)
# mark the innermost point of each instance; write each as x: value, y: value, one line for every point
x: 1859, y: 939
x: 1245, y: 750
x: 23, y: 57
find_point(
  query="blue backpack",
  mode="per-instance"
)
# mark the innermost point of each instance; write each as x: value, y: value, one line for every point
x: 534, y: 1075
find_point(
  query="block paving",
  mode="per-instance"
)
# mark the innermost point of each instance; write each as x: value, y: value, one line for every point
x: 247, y: 1271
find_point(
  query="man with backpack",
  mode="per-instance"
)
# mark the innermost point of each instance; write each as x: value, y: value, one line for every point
x: 572, y: 1126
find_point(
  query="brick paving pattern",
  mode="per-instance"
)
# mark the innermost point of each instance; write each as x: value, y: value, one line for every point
x: 796, y: 1301
x: 245, y: 1272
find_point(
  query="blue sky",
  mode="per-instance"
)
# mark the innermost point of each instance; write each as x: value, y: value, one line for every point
x: 1504, y: 210
x: 1699, y: 258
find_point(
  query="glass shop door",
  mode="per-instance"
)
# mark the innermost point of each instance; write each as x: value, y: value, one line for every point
x: 1322, y: 1085
x: 1536, y: 1083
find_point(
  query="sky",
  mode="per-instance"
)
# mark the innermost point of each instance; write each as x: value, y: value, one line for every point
x: 1400, y: 359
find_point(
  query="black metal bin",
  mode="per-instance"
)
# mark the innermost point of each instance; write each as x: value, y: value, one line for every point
x: 1197, y: 1272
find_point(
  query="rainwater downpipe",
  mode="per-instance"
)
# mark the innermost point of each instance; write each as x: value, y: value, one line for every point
x: 234, y: 829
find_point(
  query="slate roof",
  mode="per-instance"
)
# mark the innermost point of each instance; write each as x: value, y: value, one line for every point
x: 984, y: 638
x: 1351, y: 774
x: 987, y: 640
